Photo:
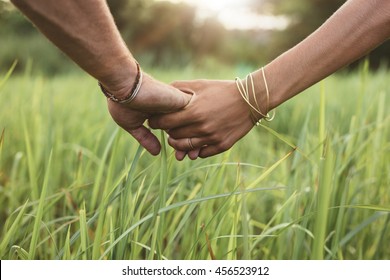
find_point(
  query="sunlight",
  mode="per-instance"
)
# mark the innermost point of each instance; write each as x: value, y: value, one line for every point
x: 235, y: 14
x: 219, y: 5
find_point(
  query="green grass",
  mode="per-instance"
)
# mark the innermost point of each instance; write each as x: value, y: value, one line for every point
x: 313, y: 184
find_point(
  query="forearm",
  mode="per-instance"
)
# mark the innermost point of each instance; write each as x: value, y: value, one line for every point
x: 355, y: 29
x: 86, y: 32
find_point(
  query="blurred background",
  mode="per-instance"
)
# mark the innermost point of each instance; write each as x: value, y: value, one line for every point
x: 186, y: 33
x: 74, y: 186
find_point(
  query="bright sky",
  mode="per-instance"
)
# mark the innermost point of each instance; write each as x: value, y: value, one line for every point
x: 235, y: 14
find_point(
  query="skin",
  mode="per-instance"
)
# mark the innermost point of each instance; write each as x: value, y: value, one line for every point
x: 217, y: 117
x: 86, y: 32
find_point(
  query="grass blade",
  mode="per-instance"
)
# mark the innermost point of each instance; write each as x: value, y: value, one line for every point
x: 270, y: 169
x: 40, y: 211
x: 99, y: 174
x: 11, y: 232
x: 157, y: 235
x: 2, y: 138
x: 8, y: 74
x: 20, y: 252
x: 323, y: 200
x: 67, y: 254
x: 32, y: 170
x: 321, y: 125
x: 83, y: 232
x: 178, y: 205
x: 361, y: 227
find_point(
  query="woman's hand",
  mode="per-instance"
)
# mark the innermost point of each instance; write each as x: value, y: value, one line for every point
x: 215, y: 119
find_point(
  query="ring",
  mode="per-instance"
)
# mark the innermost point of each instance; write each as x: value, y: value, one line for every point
x: 190, y: 144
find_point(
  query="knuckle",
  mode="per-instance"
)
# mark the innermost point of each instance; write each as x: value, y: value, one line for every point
x: 206, y: 128
x: 203, y: 129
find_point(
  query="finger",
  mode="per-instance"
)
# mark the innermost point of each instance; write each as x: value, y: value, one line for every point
x: 193, y: 130
x: 175, y: 100
x: 180, y: 155
x: 184, y: 143
x: 177, y: 119
x: 212, y: 150
x: 164, y: 122
x: 209, y: 151
x: 147, y: 139
x: 194, y: 154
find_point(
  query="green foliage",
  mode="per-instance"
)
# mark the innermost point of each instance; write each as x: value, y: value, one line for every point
x: 159, y: 38
x: 167, y: 34
x: 22, y: 42
x: 73, y: 186
x: 153, y: 34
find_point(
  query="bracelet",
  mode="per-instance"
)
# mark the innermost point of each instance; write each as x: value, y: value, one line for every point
x: 254, y: 108
x: 244, y: 91
x: 132, y: 94
x: 268, y: 118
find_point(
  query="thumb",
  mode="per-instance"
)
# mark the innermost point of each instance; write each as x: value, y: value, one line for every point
x: 147, y: 139
x: 188, y: 87
x: 180, y: 98
x: 183, y: 94
x: 156, y: 96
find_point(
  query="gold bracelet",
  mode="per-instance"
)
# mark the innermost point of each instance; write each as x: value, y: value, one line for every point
x: 268, y: 118
x: 244, y: 91
x: 245, y: 94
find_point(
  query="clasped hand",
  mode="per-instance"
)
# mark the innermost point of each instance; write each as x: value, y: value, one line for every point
x: 202, y: 117
x: 215, y: 118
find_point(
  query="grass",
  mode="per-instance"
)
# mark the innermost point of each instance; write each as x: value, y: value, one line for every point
x: 313, y: 184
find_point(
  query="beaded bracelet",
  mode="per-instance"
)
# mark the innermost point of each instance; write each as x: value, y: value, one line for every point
x: 134, y: 90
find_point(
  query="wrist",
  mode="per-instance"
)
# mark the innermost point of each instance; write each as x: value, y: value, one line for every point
x: 120, y: 80
x: 264, y: 92
x: 255, y: 92
x: 276, y: 89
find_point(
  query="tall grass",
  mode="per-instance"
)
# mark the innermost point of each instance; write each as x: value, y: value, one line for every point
x: 313, y: 184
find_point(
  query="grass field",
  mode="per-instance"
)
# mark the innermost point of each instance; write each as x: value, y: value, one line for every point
x: 313, y: 184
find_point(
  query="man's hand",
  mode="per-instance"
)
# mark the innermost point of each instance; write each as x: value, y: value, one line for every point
x: 86, y: 32
x: 154, y: 97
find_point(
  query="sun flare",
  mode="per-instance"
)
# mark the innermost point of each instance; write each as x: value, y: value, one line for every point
x: 219, y: 5
x: 235, y: 14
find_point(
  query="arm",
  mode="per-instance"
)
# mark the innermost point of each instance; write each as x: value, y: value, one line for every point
x: 355, y: 29
x: 86, y: 32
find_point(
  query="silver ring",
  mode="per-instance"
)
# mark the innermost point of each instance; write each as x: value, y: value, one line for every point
x: 190, y: 144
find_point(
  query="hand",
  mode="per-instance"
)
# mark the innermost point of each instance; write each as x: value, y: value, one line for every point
x: 154, y: 97
x: 215, y: 119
